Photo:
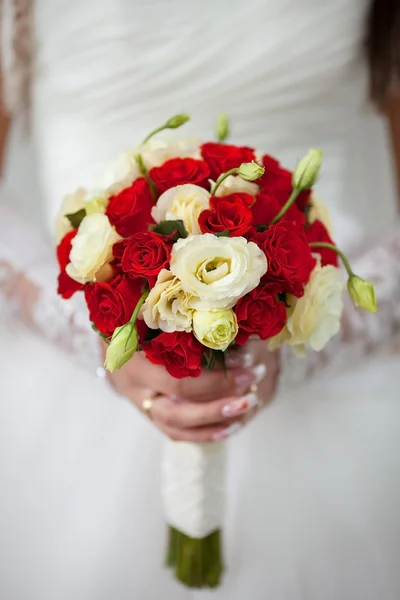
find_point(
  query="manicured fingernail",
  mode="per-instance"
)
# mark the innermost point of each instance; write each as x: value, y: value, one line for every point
x: 240, y: 360
x: 176, y: 399
x: 227, y: 432
x: 240, y: 406
x: 245, y: 379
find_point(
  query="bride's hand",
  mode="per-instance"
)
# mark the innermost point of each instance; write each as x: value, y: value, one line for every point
x: 207, y: 408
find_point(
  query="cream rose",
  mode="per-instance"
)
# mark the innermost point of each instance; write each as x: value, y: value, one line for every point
x: 319, y: 212
x: 184, y: 202
x: 167, y: 305
x: 217, y: 271
x: 71, y: 204
x: 315, y: 317
x: 91, y: 248
x: 215, y: 328
x: 234, y: 185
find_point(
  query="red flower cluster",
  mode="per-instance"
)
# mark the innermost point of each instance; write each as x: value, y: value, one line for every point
x: 144, y: 250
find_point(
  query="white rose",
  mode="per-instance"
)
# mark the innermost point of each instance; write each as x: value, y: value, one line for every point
x: 235, y: 185
x: 315, y: 318
x: 71, y: 204
x: 167, y: 305
x: 217, y: 271
x: 91, y: 248
x: 184, y: 202
x: 319, y: 212
x: 216, y: 328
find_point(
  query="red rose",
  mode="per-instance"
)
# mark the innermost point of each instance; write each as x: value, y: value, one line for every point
x: 178, y: 171
x: 66, y: 285
x: 278, y: 181
x: 317, y: 232
x: 179, y: 352
x: 130, y: 210
x: 260, y: 313
x: 289, y: 256
x: 112, y: 303
x: 144, y: 255
x: 267, y: 206
x: 223, y: 157
x: 229, y: 213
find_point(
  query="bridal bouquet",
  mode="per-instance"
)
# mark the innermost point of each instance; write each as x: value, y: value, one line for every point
x: 190, y: 250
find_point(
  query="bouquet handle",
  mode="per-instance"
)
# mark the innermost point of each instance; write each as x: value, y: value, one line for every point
x: 193, y: 488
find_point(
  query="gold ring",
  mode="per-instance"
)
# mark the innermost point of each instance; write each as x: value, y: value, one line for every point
x: 147, y: 405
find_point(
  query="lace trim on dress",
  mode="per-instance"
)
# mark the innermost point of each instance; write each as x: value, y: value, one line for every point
x: 362, y: 333
x: 28, y: 292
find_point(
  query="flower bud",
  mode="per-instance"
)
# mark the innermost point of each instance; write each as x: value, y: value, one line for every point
x: 215, y: 328
x: 306, y: 173
x: 123, y: 345
x: 250, y: 171
x: 222, y: 127
x: 362, y: 293
x: 176, y: 121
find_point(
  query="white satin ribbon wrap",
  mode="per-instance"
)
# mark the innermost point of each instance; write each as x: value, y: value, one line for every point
x: 193, y: 486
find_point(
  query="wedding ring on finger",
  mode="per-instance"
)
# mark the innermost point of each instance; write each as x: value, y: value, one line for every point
x: 147, y: 405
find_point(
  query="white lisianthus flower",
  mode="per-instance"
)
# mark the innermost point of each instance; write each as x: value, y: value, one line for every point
x: 319, y: 212
x: 184, y: 202
x: 235, y: 185
x: 92, y: 248
x: 154, y: 153
x: 167, y: 305
x: 217, y: 271
x: 314, y: 318
x: 215, y: 328
x: 71, y: 204
x: 123, y: 168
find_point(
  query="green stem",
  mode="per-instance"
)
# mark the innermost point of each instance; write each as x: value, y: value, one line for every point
x: 146, y: 175
x: 222, y: 178
x: 341, y: 254
x: 139, y: 306
x: 153, y: 133
x: 285, y: 207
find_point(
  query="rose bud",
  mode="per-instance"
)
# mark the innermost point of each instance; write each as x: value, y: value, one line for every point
x: 222, y: 127
x: 123, y: 345
x: 306, y: 173
x: 250, y: 171
x: 362, y: 293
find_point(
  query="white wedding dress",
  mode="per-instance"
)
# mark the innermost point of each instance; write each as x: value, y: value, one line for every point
x: 314, y: 481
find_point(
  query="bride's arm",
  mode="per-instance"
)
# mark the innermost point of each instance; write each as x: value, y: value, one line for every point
x: 362, y: 333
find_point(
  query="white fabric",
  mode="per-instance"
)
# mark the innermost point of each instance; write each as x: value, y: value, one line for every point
x: 193, y: 486
x: 314, y: 482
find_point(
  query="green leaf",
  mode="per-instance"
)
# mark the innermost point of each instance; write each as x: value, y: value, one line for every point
x: 262, y: 227
x: 170, y: 227
x: 225, y: 233
x: 76, y: 218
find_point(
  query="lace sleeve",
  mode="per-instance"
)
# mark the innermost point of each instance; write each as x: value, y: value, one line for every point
x: 28, y: 275
x: 362, y: 333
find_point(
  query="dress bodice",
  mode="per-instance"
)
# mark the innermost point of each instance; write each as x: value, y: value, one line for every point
x: 288, y: 73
